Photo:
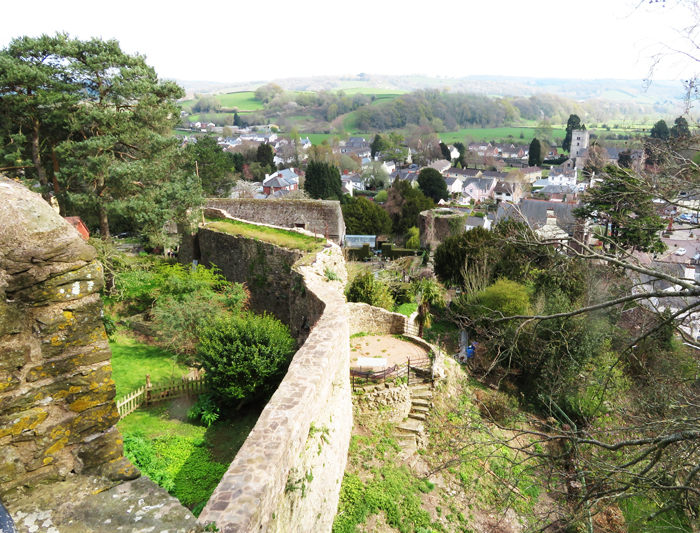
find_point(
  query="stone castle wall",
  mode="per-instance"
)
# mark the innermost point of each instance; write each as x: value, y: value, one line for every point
x: 263, y: 267
x: 391, y: 404
x: 370, y: 319
x: 57, y: 410
x: 323, y: 217
x: 436, y: 226
x: 287, y: 475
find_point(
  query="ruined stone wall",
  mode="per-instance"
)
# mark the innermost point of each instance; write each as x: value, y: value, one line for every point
x: 57, y: 410
x: 434, y: 227
x: 320, y: 216
x: 392, y: 404
x: 370, y: 319
x: 287, y: 475
x: 263, y: 267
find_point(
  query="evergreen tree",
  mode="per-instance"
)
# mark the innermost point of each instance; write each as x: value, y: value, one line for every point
x: 432, y: 184
x: 99, y: 123
x: 238, y: 121
x: 215, y: 167
x: 323, y: 181
x: 574, y: 123
x: 265, y: 155
x: 680, y: 130
x: 363, y: 217
x: 445, y: 151
x: 659, y: 131
x: 535, y: 155
x: 377, y: 145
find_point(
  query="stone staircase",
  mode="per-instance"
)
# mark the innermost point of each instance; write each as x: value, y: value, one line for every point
x: 409, y: 434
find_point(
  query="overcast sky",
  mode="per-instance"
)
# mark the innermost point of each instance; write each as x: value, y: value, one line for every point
x: 238, y: 41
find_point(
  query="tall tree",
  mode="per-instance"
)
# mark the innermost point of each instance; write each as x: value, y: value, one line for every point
x: 363, y: 217
x: 265, y: 155
x: 680, y: 129
x: 534, y: 157
x: 659, y: 131
x: 100, y: 126
x: 215, y: 167
x: 573, y: 124
x: 445, y: 151
x: 322, y: 181
x: 432, y: 184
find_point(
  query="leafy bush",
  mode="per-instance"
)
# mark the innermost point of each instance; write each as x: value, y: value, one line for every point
x: 382, y: 196
x: 182, y: 466
x: 367, y: 289
x: 503, y: 298
x: 181, y: 300
x: 245, y: 356
x: 205, y: 410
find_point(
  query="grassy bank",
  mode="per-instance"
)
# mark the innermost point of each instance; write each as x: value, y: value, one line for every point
x: 279, y: 237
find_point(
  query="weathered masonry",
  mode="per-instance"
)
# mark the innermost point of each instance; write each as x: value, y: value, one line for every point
x: 57, y: 410
x: 323, y: 217
x: 287, y: 475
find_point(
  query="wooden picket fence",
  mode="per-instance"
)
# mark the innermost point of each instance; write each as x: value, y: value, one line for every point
x: 152, y: 393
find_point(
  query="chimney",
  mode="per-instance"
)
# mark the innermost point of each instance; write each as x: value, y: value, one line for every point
x: 346, y: 172
x: 551, y: 217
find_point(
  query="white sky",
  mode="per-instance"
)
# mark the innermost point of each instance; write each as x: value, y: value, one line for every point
x: 238, y: 41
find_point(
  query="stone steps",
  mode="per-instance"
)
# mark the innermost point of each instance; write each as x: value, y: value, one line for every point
x: 416, y: 416
x: 422, y: 394
x: 420, y: 409
x: 420, y: 402
x: 411, y: 426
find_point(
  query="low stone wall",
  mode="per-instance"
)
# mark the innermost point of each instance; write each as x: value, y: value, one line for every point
x: 287, y: 475
x: 370, y: 319
x: 57, y: 410
x: 389, y: 405
x: 323, y: 217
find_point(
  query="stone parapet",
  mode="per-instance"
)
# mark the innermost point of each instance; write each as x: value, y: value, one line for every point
x: 287, y: 475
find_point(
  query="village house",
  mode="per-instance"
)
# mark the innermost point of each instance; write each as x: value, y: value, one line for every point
x: 483, y: 149
x: 462, y: 173
x: 560, y: 193
x: 441, y: 165
x: 507, y: 192
x: 477, y: 189
x: 454, y: 185
x: 276, y: 184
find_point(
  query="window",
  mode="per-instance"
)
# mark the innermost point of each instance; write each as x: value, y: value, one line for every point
x: 301, y: 226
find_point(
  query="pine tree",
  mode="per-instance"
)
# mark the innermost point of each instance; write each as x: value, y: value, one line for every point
x: 323, y: 181
x: 574, y: 123
x: 535, y: 156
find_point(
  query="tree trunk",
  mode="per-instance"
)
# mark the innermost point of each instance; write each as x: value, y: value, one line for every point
x: 56, y: 186
x: 36, y: 161
x: 104, y: 222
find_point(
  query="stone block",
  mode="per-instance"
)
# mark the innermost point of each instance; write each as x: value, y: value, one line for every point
x: 65, y: 287
x: 108, y: 446
x: 13, y: 356
x: 93, y: 353
x: 21, y: 422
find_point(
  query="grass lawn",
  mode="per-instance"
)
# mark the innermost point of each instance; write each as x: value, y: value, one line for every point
x: 132, y: 360
x: 186, y: 459
x: 406, y: 309
x: 279, y: 237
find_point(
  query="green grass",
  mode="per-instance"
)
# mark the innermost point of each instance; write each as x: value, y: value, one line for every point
x: 406, y: 309
x: 636, y: 511
x: 488, y: 134
x: 278, y: 237
x: 245, y: 101
x: 375, y: 484
x: 132, y: 360
x: 186, y: 459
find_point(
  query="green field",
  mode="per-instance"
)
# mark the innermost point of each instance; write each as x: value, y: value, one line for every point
x: 244, y: 100
x: 489, y: 134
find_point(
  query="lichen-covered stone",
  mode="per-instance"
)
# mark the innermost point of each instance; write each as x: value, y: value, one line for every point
x: 56, y: 391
